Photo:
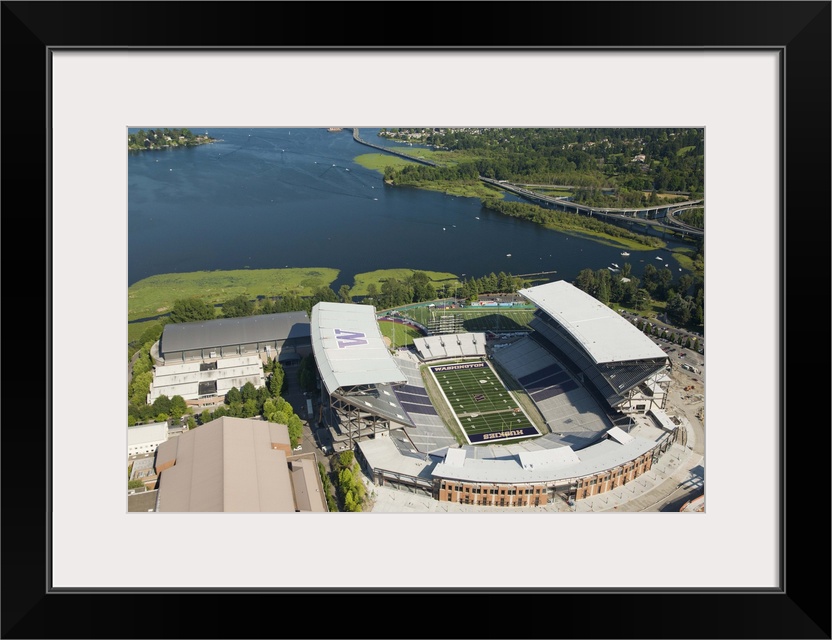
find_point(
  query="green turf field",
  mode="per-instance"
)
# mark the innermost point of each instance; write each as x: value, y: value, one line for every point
x: 400, y: 335
x: 483, y: 319
x: 484, y: 408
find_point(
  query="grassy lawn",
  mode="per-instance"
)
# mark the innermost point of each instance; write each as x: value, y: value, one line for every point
x: 136, y: 329
x: 157, y: 294
x: 400, y: 335
x: 656, y: 307
x: 379, y: 161
x: 363, y: 280
x: 474, y: 189
x: 602, y: 238
x: 685, y: 258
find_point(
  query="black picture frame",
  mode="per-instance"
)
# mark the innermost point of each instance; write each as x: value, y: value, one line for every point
x: 800, y: 31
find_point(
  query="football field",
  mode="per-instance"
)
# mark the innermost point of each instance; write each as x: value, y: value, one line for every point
x: 482, y: 406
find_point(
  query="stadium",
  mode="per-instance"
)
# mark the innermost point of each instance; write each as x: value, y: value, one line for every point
x: 569, y: 409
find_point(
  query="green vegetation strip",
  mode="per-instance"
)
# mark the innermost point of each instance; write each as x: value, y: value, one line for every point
x: 377, y: 278
x: 156, y: 295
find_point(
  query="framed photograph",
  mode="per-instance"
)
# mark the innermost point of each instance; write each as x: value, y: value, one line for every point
x: 754, y: 75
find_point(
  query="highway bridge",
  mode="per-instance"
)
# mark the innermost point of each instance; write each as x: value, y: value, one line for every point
x: 657, y: 216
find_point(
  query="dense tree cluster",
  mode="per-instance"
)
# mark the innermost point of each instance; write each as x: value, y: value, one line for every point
x: 491, y: 284
x: 351, y: 490
x: 636, y: 159
x: 191, y: 310
x: 249, y: 402
x: 327, y: 485
x: 693, y: 217
x: 417, y: 287
x: 164, y: 139
x: 685, y: 297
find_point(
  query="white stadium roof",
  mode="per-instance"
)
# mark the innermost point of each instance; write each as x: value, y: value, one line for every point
x: 604, y: 334
x: 349, y: 348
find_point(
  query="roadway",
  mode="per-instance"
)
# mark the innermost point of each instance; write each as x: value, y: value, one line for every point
x: 627, y: 214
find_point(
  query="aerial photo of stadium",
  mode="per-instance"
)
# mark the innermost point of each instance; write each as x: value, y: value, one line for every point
x: 569, y: 409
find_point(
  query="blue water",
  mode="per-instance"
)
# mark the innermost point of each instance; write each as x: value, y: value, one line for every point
x: 275, y: 198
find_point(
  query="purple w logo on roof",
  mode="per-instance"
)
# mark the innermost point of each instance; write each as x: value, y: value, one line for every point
x: 350, y: 338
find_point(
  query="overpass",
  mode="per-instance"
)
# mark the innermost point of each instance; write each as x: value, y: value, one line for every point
x: 657, y: 216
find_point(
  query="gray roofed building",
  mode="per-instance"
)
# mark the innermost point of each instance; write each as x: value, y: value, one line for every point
x: 234, y: 336
x: 234, y: 465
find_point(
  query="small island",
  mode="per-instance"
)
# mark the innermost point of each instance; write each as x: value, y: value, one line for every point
x: 165, y: 139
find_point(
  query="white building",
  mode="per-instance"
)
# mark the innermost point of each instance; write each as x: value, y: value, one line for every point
x: 145, y: 438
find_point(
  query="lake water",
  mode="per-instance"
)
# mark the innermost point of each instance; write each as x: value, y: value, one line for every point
x: 275, y: 198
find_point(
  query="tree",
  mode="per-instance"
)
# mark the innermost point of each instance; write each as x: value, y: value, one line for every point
x: 684, y: 284
x: 248, y: 392
x: 140, y: 388
x: 422, y: 287
x: 250, y: 408
x: 178, y: 407
x: 276, y: 379
x: 643, y: 300
x: 162, y: 404
x: 233, y: 396
x: 238, y: 307
x: 344, y: 293
x: 323, y: 294
x: 295, y: 427
x: 346, y: 458
x: 602, y: 286
x: 143, y: 364
x: 146, y: 413
x: 586, y: 280
x: 650, y: 278
x: 191, y: 310
x: 679, y: 309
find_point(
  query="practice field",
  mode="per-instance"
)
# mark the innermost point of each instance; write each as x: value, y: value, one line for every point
x: 482, y: 319
x: 400, y: 335
x: 483, y: 407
